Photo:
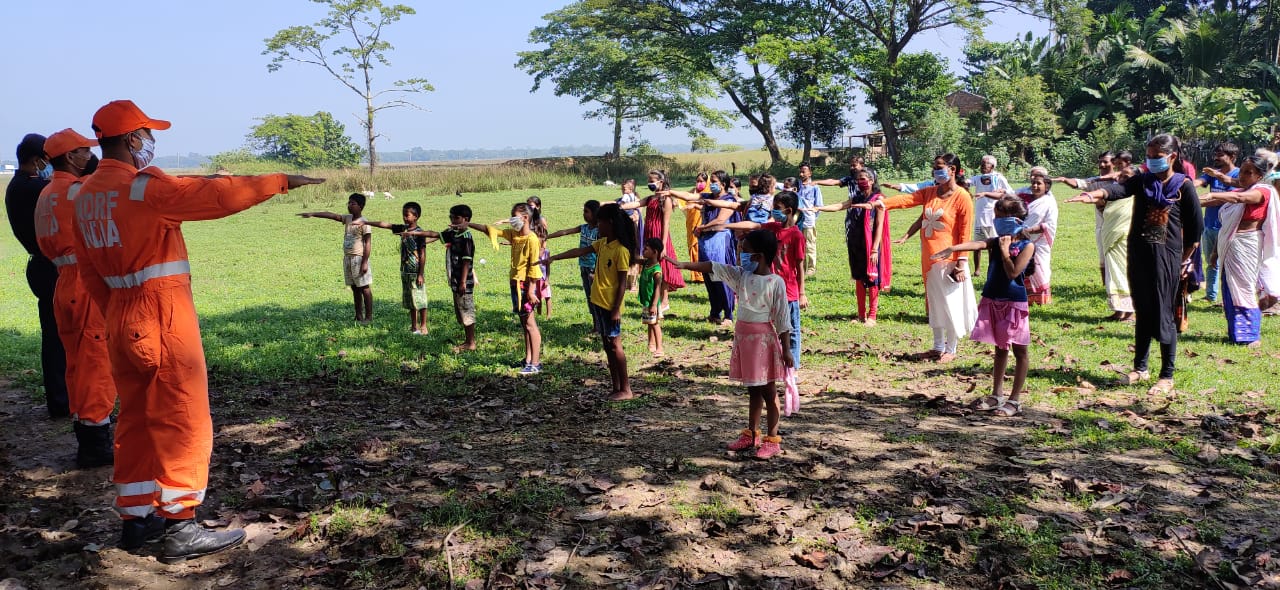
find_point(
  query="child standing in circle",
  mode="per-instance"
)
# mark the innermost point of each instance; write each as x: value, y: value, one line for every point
x: 525, y: 272
x: 613, y: 259
x: 1003, y: 319
x: 651, y: 288
x: 761, y: 338
x: 356, y: 246
x: 587, y: 233
x: 413, y: 251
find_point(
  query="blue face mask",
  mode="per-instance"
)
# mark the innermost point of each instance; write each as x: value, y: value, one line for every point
x: 1008, y: 226
x: 1157, y: 165
x: 941, y: 176
x: 778, y: 215
x: 45, y: 173
x: 715, y: 188
x: 748, y: 262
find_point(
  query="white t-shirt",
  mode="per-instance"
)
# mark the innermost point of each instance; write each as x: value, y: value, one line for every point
x: 353, y: 236
x: 761, y: 298
x: 984, y: 209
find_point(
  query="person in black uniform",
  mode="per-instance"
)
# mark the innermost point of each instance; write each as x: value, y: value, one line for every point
x: 20, y: 198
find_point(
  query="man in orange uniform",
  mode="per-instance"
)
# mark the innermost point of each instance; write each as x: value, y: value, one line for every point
x: 91, y: 392
x: 133, y: 259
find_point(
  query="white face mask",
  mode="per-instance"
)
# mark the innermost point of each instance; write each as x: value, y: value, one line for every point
x: 517, y: 222
x: 143, y: 156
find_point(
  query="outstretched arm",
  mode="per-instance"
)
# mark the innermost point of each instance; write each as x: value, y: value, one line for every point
x: 962, y: 247
x: 320, y: 215
x: 841, y: 206
x: 1093, y: 197
x: 747, y: 225
x: 574, y: 253
x: 702, y: 267
x: 565, y: 232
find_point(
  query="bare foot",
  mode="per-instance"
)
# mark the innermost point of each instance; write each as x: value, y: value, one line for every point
x: 1163, y: 386
x: 945, y: 357
x: 1135, y: 377
x: 658, y: 354
x: 870, y: 322
x: 621, y: 395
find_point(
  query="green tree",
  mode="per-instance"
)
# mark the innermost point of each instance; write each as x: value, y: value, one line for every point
x: 317, y: 141
x: 885, y: 28
x: 364, y: 21
x: 1026, y: 121
x: 712, y: 36
x: 629, y: 79
x: 936, y: 129
x: 1211, y: 115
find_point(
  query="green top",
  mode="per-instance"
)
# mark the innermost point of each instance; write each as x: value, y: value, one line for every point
x: 649, y: 277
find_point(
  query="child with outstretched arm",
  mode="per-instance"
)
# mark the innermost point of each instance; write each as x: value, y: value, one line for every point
x: 525, y: 272
x: 356, y: 247
x: 413, y: 251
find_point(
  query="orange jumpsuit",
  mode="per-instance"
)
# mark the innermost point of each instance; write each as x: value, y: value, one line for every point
x: 91, y: 391
x: 134, y: 261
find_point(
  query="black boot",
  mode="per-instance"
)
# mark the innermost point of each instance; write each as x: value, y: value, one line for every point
x: 95, y: 446
x: 184, y: 539
x: 136, y: 532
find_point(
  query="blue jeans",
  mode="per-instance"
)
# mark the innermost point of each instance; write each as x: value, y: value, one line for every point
x: 795, y: 331
x: 1209, y: 247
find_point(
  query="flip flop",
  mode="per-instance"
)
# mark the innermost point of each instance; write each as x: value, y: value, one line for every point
x: 1009, y: 409
x: 989, y: 403
x: 1162, y: 386
x: 1135, y: 377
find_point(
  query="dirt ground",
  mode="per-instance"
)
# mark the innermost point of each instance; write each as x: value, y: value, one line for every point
x: 887, y: 481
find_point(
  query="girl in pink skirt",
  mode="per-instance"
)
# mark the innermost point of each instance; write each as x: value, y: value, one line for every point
x: 761, y: 337
x: 1002, y: 314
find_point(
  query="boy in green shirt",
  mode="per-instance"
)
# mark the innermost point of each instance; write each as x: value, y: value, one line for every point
x: 651, y: 288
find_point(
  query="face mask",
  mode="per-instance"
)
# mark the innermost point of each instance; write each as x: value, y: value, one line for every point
x: 1007, y: 226
x: 45, y: 173
x: 864, y: 185
x: 1157, y: 165
x: 749, y: 263
x: 143, y: 156
x: 778, y: 215
x: 702, y: 186
x: 517, y: 222
x: 653, y: 186
x: 715, y: 188
x: 941, y: 176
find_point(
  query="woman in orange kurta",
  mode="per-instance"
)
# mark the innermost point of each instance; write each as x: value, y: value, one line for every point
x: 947, y: 220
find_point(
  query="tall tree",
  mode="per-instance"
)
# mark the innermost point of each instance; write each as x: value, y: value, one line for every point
x: 317, y: 141
x: 628, y: 79
x: 717, y: 37
x: 885, y: 29
x: 362, y: 21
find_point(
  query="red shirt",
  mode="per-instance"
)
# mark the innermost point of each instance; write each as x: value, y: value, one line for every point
x: 790, y: 257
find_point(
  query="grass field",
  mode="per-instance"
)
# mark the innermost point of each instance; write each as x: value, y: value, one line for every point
x: 375, y: 443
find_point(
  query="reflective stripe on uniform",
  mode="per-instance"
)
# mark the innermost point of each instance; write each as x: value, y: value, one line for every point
x: 136, y: 511
x: 167, y: 495
x: 155, y: 271
x: 74, y: 190
x: 64, y: 260
x: 104, y: 422
x: 136, y: 488
x: 138, y: 189
x: 173, y: 508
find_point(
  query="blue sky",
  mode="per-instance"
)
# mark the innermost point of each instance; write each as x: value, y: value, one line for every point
x: 199, y: 64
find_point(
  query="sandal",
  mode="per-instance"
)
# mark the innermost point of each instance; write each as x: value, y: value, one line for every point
x: 1163, y: 386
x: 988, y: 403
x: 1009, y: 409
x: 1135, y: 377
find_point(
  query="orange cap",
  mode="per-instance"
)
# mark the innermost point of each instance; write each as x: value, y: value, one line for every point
x: 119, y: 117
x: 65, y: 141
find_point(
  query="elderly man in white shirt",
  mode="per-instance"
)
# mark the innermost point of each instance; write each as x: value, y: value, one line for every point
x: 987, y: 186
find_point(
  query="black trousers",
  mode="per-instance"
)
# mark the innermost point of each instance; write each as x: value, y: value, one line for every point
x: 42, y: 277
x: 1142, y: 350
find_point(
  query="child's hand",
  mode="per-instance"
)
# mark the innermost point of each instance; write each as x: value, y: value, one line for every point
x: 1004, y: 245
x: 364, y: 268
x: 942, y: 254
x: 615, y: 316
x: 902, y: 240
x: 804, y: 301
x: 422, y: 280
x: 787, y: 360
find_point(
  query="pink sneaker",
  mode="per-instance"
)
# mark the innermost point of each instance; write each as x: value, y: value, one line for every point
x: 749, y: 439
x: 771, y: 445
